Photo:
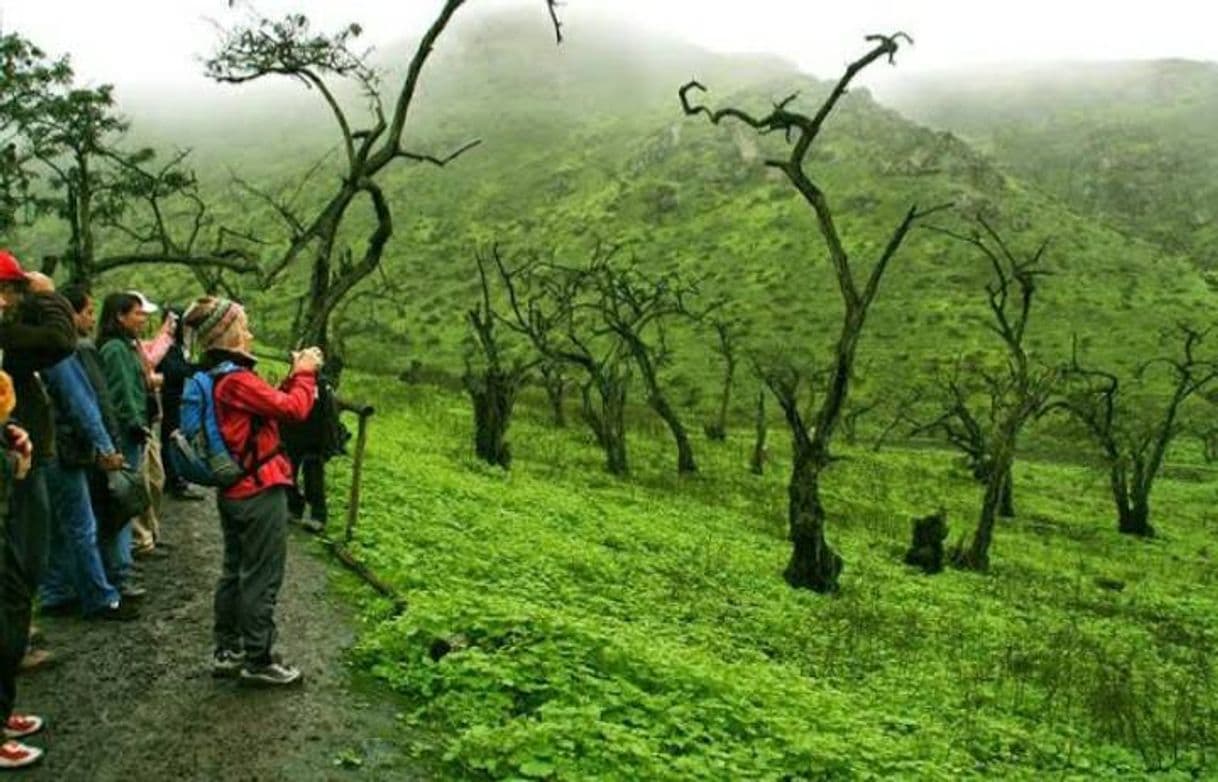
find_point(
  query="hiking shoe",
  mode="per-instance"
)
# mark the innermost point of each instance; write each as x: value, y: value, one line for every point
x: 35, y: 659
x: 226, y: 664
x: 312, y: 525
x: 186, y: 495
x: 66, y: 608
x: 14, y: 754
x: 118, y: 611
x: 21, y: 725
x: 131, y: 591
x: 273, y: 674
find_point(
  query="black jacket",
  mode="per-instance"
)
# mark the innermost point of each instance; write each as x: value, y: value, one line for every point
x: 38, y: 335
x: 175, y: 369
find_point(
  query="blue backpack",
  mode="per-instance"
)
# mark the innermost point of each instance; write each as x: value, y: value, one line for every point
x: 197, y: 447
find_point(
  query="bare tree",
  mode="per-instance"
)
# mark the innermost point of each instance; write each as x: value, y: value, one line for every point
x: 555, y: 382
x: 494, y: 386
x: 289, y: 48
x: 727, y: 344
x: 814, y: 564
x: 637, y: 308
x: 761, y: 430
x: 1132, y: 438
x: 549, y: 305
x: 1017, y: 392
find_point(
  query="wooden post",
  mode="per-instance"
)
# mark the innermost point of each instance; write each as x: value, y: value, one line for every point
x: 361, y: 441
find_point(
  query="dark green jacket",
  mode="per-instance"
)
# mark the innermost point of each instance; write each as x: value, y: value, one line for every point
x: 128, y: 387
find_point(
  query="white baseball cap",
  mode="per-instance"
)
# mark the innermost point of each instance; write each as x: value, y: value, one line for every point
x: 145, y: 305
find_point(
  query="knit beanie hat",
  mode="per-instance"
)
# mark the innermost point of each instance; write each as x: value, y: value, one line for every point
x: 208, y: 329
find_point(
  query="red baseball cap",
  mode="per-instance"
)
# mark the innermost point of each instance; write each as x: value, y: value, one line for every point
x: 10, y: 268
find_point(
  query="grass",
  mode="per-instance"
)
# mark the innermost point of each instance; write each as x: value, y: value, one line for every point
x: 639, y: 629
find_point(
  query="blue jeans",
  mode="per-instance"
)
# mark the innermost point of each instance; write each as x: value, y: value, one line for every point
x: 75, y: 569
x: 116, y: 552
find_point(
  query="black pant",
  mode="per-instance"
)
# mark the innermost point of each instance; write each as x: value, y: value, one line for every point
x: 25, y: 543
x: 313, y: 471
x: 173, y: 481
x: 255, y: 549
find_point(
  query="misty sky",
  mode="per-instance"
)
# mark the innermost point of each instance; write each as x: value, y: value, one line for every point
x: 137, y: 43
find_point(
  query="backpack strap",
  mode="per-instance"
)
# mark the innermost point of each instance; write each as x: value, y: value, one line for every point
x: 249, y: 462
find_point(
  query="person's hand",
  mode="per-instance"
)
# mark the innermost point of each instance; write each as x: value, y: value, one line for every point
x: 110, y: 462
x: 308, y: 360
x: 156, y: 381
x: 170, y: 323
x: 19, y: 443
x: 19, y: 440
x: 39, y: 282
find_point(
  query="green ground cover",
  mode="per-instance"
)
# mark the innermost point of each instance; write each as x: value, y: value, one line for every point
x: 639, y: 629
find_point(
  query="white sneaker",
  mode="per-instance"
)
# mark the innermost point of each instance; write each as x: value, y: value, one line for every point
x: 20, y: 726
x: 14, y: 754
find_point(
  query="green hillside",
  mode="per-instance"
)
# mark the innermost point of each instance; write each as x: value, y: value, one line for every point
x: 1130, y: 142
x: 587, y: 141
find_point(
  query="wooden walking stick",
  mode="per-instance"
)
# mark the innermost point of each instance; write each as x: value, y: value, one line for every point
x: 361, y: 441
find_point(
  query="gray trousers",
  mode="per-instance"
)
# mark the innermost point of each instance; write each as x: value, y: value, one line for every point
x: 255, y: 549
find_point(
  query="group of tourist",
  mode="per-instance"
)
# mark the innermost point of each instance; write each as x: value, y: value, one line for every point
x: 88, y: 404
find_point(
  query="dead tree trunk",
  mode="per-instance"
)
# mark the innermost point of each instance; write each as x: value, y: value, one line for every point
x: 1006, y: 499
x: 1132, y: 502
x: 607, y: 420
x: 976, y: 556
x: 493, y: 389
x: 493, y: 393
x: 757, y: 463
x: 554, y: 380
x: 725, y: 331
x: 814, y: 564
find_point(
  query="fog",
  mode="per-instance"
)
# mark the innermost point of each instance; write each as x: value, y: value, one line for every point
x: 149, y: 45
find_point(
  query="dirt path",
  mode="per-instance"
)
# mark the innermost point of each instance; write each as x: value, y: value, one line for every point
x: 136, y: 700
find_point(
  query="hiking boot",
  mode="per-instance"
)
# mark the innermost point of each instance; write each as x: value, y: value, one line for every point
x: 227, y: 664
x: 118, y: 611
x: 21, y: 725
x: 272, y: 674
x: 36, y: 659
x: 131, y: 591
x: 14, y: 754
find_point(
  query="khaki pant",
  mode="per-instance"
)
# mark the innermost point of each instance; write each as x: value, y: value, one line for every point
x: 146, y: 528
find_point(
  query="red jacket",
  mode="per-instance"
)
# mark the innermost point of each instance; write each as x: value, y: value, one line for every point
x: 242, y: 396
